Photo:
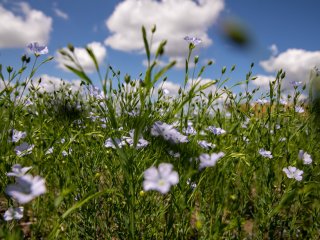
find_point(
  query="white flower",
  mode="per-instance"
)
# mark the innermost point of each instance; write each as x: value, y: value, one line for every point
x: 216, y: 131
x: 264, y: 153
x: 26, y: 188
x: 207, y: 160
x: 305, y: 157
x: 194, y: 40
x: 18, y: 170
x: 160, y: 179
x: 13, y: 213
x: 168, y: 132
x: 17, y: 135
x: 293, y: 172
x: 23, y: 149
x: 62, y: 140
x: 206, y: 145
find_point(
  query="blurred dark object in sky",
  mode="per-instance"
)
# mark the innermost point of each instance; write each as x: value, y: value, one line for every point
x: 314, y: 96
x: 236, y: 33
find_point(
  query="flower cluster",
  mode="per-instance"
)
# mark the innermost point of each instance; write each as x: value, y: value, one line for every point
x: 216, y: 131
x: 127, y: 140
x: 168, y: 132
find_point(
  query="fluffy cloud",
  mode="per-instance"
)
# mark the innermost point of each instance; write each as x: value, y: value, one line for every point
x: 263, y: 81
x: 98, y: 49
x: 18, y: 28
x: 61, y: 14
x: 174, y: 20
x: 297, y: 63
x: 51, y: 83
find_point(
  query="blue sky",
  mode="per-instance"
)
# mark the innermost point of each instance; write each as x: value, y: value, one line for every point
x: 113, y: 30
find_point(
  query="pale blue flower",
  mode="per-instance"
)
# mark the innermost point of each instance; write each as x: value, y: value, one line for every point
x: 13, y: 213
x: 18, y: 135
x: 216, y: 131
x: 293, y: 172
x: 18, y: 171
x: 50, y: 150
x: 37, y: 49
x: 194, y: 40
x: 26, y: 188
x: 206, y: 145
x: 305, y: 157
x: 264, y: 153
x: 168, y: 132
x: 295, y: 83
x: 161, y: 178
x: 207, y: 160
x: 23, y: 149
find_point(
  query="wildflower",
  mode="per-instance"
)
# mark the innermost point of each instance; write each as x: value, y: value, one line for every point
x: 193, y: 40
x: 207, y: 160
x: 62, y: 140
x: 216, y: 131
x: 23, y: 149
x: 96, y: 93
x: 168, y: 132
x: 26, y: 188
x: 283, y: 139
x: 141, y: 141
x: 110, y: 143
x: 37, y: 49
x: 293, y: 172
x: 160, y: 179
x: 305, y: 157
x: 264, y: 153
x: 49, y: 151
x: 17, y: 135
x: 295, y: 83
x: 18, y: 170
x: 13, y: 213
x: 190, y: 130
x: 65, y: 153
x: 299, y: 109
x: 206, y: 145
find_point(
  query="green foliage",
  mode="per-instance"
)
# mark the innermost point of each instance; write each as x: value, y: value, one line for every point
x: 94, y: 192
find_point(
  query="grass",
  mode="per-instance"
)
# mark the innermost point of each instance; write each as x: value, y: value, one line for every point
x: 95, y: 192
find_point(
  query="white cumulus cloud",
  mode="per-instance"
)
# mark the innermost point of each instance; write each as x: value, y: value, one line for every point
x: 174, y: 20
x: 98, y: 49
x: 263, y: 80
x: 297, y: 63
x: 18, y: 28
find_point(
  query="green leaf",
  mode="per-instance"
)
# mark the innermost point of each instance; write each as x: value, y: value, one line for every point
x: 146, y: 45
x: 93, y: 57
x: 163, y: 71
x: 80, y: 74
